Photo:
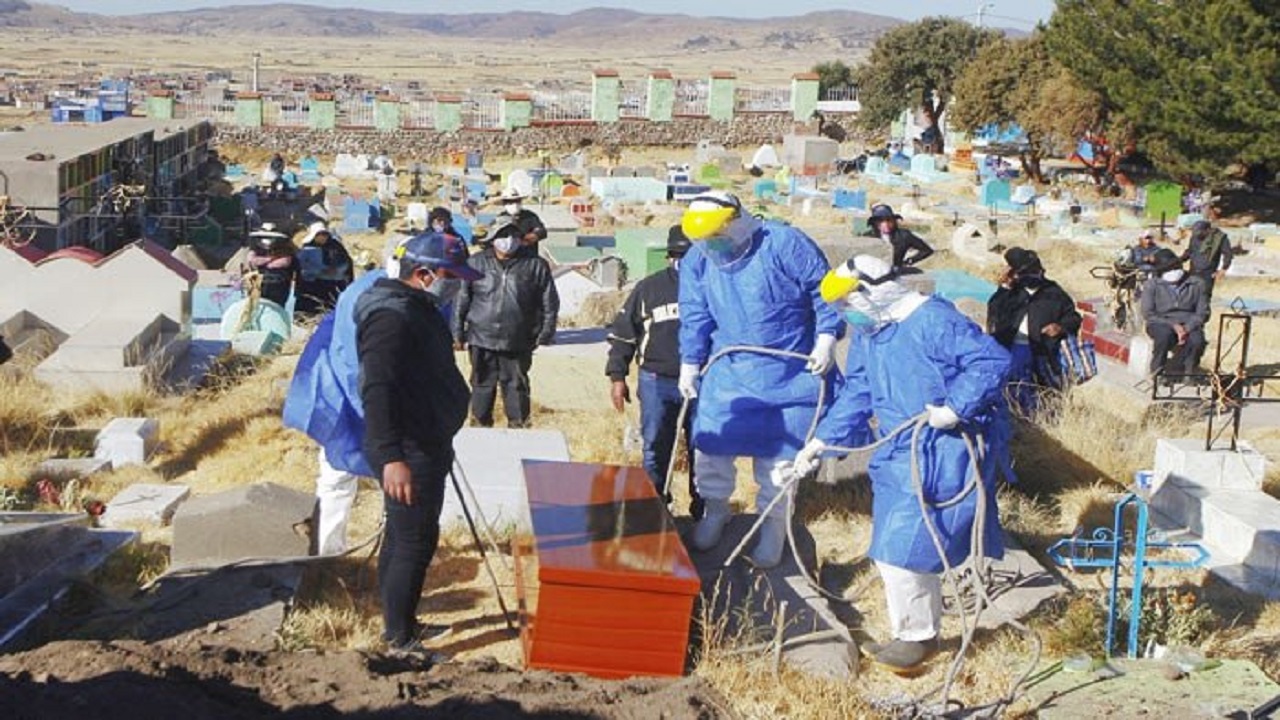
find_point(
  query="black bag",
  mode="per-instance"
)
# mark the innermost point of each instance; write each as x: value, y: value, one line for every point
x: 5, y: 352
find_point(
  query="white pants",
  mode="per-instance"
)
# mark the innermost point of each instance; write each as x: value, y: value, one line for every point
x: 716, y: 477
x: 336, y: 490
x: 915, y: 602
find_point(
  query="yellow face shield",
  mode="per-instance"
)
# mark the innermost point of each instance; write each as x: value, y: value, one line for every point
x: 700, y: 224
x: 837, y: 284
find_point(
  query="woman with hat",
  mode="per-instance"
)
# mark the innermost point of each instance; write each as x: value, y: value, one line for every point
x: 273, y: 257
x: 1030, y: 315
x: 325, y: 269
x: 883, y: 224
x: 1175, y: 306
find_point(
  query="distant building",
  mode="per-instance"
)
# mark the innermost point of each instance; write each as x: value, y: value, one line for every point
x: 65, y: 176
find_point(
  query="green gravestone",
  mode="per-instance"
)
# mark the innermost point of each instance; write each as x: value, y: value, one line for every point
x: 1163, y: 198
x: 644, y: 250
x: 661, y: 102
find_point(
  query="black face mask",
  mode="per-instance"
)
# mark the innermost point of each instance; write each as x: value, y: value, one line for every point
x: 1031, y: 282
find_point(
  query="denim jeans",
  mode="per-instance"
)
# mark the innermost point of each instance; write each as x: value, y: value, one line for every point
x: 409, y: 542
x: 660, y: 402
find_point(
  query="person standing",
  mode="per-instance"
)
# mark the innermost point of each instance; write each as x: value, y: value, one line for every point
x: 519, y: 222
x: 1031, y: 316
x: 274, y: 260
x: 500, y: 319
x: 647, y: 329
x: 911, y: 354
x: 1210, y: 253
x: 1175, y: 306
x: 906, y: 248
x: 746, y: 282
x: 415, y: 401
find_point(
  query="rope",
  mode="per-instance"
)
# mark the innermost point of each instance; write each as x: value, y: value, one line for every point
x: 977, y: 548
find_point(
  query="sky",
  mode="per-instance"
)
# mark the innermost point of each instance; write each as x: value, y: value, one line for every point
x: 1011, y: 13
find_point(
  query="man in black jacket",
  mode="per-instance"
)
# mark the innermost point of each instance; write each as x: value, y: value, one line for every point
x: 1030, y: 315
x: 415, y: 401
x: 883, y: 224
x: 519, y: 222
x: 1175, y: 306
x: 648, y: 328
x: 500, y: 319
x: 1210, y: 253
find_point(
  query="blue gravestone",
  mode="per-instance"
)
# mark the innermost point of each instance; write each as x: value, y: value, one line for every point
x: 355, y: 215
x: 995, y: 192
x: 846, y: 199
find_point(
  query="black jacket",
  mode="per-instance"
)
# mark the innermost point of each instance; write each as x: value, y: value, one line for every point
x: 1209, y: 254
x: 1182, y: 303
x: 409, y: 381
x: 525, y: 222
x: 648, y: 324
x: 903, y: 241
x: 1049, y: 304
x: 513, y: 308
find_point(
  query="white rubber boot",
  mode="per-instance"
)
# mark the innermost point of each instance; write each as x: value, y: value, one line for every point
x: 771, y: 539
x: 706, y: 535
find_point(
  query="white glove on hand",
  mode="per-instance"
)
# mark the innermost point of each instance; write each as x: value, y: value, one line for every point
x: 942, y: 417
x: 688, y: 382
x: 807, y: 461
x: 823, y: 355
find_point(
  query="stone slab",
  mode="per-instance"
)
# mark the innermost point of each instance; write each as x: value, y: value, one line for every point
x: 490, y: 459
x: 127, y: 441
x: 1017, y: 584
x: 1187, y: 459
x: 71, y: 468
x: 264, y: 520
x: 1143, y: 689
x: 741, y: 592
x: 144, y: 503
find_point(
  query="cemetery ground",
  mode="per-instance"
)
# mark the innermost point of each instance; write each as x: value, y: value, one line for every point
x: 325, y: 659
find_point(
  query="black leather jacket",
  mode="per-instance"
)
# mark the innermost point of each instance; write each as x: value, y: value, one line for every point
x: 512, y: 308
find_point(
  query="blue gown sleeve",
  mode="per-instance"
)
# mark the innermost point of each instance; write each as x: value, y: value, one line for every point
x: 846, y: 420
x: 810, y: 265
x: 696, y: 323
x: 977, y: 364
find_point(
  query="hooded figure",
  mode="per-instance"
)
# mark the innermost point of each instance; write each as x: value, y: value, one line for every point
x: 753, y: 283
x: 913, y: 354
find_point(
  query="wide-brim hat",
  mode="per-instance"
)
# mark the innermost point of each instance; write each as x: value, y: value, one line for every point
x: 511, y: 194
x: 881, y: 211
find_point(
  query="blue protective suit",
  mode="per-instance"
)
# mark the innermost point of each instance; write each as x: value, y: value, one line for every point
x: 750, y: 404
x: 324, y: 396
x: 935, y: 356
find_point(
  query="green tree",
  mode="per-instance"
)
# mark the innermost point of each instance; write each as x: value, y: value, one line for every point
x: 1197, y: 81
x: 1015, y: 81
x: 833, y: 74
x: 915, y: 66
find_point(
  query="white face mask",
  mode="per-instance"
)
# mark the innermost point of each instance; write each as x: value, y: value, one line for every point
x: 438, y: 226
x: 505, y: 244
x: 445, y: 289
x: 512, y: 208
x: 1172, y: 276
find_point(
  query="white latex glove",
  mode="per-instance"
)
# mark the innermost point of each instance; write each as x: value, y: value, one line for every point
x: 942, y: 417
x: 823, y: 355
x: 807, y: 461
x: 688, y: 383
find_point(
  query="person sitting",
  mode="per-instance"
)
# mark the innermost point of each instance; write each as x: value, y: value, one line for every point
x: 325, y: 270
x: 1175, y: 305
x: 1142, y: 255
x: 1030, y: 315
x: 883, y: 224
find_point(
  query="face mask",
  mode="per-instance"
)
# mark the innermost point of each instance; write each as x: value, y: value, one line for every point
x: 859, y: 320
x: 512, y: 208
x: 438, y: 226
x: 1172, y: 276
x: 445, y: 289
x: 505, y: 244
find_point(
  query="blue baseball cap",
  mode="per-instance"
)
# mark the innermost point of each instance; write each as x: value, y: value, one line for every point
x: 440, y: 252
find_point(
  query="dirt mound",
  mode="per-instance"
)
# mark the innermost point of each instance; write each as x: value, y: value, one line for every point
x: 193, y: 680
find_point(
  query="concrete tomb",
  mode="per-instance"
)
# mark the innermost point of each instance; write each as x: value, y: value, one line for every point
x: 264, y: 520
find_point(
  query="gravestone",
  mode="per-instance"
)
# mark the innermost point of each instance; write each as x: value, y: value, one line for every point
x: 876, y: 166
x: 849, y: 199
x: 127, y: 441
x: 144, y: 503
x: 263, y: 520
x: 1164, y: 201
x: 995, y: 192
x: 490, y: 460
